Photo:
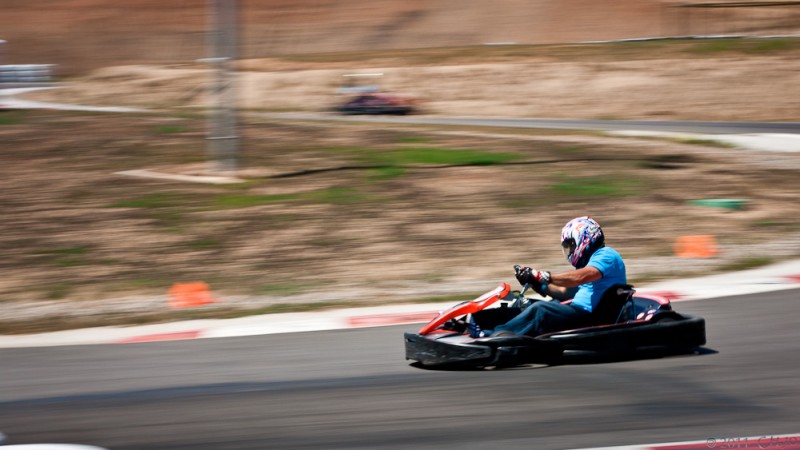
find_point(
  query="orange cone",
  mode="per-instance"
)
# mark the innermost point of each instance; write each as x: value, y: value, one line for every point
x: 704, y: 246
x: 187, y: 295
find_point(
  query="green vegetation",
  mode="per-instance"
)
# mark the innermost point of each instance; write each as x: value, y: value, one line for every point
x: 385, y: 173
x: 170, y: 129
x: 57, y: 291
x: 65, y: 257
x: 151, y: 201
x: 749, y: 46
x: 280, y: 289
x: 65, y: 251
x: 237, y: 201
x: 336, y: 195
x: 440, y: 156
x: 414, y: 140
x: 207, y: 243
x: 747, y: 263
x: 11, y: 117
x: 597, y: 186
x: 619, y: 51
x: 413, y: 155
x: 704, y: 142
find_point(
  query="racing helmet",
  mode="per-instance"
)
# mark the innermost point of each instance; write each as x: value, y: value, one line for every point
x: 580, y: 238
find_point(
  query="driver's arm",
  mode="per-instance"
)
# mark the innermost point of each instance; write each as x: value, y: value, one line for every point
x: 563, y: 286
x: 559, y: 292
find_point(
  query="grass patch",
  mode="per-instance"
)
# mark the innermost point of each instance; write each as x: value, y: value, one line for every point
x: 279, y: 289
x: 774, y: 45
x: 337, y: 195
x: 65, y: 257
x: 169, y: 217
x: 57, y: 291
x: 747, y: 263
x: 65, y: 251
x: 11, y: 117
x: 150, y: 201
x: 148, y: 283
x: 205, y: 244
x: 423, y: 155
x: 439, y: 156
x: 170, y: 129
x: 778, y: 224
x: 414, y: 140
x: 599, y: 186
x: 749, y: 46
x: 704, y: 142
x: 615, y: 51
x: 238, y: 201
x: 385, y: 173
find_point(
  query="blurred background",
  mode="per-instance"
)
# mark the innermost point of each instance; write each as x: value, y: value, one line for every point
x: 327, y: 212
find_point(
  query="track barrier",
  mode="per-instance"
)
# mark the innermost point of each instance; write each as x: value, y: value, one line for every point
x: 188, y: 295
x: 704, y: 246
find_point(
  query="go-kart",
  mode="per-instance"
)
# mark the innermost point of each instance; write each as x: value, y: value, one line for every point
x: 377, y: 103
x: 622, y: 323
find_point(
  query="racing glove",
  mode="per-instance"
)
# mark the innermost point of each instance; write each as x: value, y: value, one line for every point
x: 533, y: 277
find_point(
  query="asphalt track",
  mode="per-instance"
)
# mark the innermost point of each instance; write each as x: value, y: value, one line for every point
x: 353, y: 389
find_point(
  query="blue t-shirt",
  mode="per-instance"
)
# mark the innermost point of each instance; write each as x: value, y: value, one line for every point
x: 610, y: 264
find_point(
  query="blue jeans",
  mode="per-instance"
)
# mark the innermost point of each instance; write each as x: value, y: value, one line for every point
x: 546, y: 317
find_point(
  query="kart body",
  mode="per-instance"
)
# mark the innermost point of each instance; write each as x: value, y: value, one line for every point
x: 623, y: 323
x: 377, y: 103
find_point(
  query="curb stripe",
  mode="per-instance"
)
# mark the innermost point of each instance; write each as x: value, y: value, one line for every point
x: 390, y: 319
x: 181, y: 335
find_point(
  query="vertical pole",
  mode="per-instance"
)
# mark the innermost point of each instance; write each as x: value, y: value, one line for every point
x: 222, y: 137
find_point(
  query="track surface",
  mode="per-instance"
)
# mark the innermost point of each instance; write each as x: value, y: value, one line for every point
x: 352, y: 389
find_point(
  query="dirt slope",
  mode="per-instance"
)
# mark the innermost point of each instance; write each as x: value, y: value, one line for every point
x: 81, y: 35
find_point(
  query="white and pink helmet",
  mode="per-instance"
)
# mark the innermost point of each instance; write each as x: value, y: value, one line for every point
x: 580, y: 238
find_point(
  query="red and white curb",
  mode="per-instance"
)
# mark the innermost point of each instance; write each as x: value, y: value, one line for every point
x: 772, y: 278
x: 764, y: 442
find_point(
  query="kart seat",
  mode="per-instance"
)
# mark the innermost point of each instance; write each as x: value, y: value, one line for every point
x: 610, y: 306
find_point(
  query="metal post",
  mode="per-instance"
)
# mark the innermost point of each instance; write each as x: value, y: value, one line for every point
x: 2, y: 54
x: 222, y: 137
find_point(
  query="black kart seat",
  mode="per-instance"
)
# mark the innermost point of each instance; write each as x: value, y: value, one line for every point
x: 610, y: 306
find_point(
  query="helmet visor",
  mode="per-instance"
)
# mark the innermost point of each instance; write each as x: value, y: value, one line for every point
x: 567, y: 248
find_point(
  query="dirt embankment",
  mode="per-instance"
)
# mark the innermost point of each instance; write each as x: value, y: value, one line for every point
x: 84, y: 35
x: 431, y: 212
x: 724, y: 88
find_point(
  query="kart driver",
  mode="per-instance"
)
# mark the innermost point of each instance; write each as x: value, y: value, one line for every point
x: 597, y: 268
